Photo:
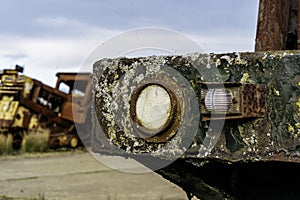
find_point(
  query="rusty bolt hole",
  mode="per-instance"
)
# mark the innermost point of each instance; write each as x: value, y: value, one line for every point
x: 155, y: 112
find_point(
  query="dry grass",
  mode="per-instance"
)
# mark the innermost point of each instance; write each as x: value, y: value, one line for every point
x: 6, y: 147
x: 35, y: 141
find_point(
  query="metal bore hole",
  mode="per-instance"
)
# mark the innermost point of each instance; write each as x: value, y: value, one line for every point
x: 153, y: 107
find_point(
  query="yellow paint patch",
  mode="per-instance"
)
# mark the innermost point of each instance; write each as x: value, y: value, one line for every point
x: 291, y: 128
x: 298, y: 104
x: 246, y: 78
x: 276, y: 92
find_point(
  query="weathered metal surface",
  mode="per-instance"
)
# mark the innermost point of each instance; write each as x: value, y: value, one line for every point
x: 260, y: 136
x: 277, y: 25
x: 271, y: 134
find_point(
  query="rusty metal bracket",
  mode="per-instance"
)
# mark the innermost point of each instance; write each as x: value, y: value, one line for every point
x: 232, y: 101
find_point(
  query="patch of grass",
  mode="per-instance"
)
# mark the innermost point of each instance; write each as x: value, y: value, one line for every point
x: 6, y: 144
x: 35, y: 141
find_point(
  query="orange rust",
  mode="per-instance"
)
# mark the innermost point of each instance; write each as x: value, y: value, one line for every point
x: 277, y: 19
x: 250, y: 102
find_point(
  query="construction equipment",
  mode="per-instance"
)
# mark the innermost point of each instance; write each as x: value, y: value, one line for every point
x: 28, y: 105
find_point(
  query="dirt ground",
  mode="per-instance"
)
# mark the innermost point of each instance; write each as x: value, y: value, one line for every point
x: 77, y: 175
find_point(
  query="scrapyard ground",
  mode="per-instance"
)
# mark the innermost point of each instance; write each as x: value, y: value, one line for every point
x: 77, y: 175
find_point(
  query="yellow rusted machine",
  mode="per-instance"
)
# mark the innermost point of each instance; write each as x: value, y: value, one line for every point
x: 27, y: 104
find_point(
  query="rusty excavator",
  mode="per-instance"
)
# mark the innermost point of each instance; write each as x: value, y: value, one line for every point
x: 27, y: 105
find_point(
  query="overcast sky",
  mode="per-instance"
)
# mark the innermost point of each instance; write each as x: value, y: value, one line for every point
x: 48, y: 36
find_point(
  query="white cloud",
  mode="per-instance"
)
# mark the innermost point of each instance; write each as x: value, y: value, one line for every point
x: 226, y: 43
x: 62, y: 27
x: 57, y: 22
x: 43, y: 56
